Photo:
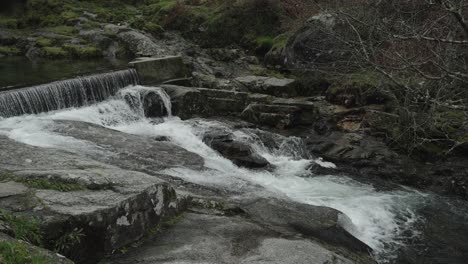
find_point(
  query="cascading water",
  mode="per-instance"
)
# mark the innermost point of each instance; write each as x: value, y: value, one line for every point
x: 64, y: 94
x: 381, y: 219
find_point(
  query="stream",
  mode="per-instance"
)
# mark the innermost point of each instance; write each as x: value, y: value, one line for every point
x: 400, y: 224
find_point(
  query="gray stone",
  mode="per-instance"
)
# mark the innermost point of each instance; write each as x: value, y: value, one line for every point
x: 139, y: 43
x: 225, y: 102
x: 271, y: 115
x: 187, y: 102
x: 242, y: 154
x: 153, y: 105
x: 208, y: 238
x: 11, y: 189
x: 114, y: 206
x: 269, y: 85
x: 158, y: 70
x: 319, y: 222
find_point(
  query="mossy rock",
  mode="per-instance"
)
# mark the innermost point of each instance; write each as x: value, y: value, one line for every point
x: 9, y: 50
x: 63, y: 30
x: 45, y: 42
x: 358, y: 90
x: 8, y: 22
x: 82, y: 51
x: 53, y: 52
x: 264, y: 44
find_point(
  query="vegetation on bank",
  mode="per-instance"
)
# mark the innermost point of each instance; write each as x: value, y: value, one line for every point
x: 43, y: 183
x: 18, y: 253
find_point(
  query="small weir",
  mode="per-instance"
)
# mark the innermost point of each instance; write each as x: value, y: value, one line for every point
x: 75, y: 92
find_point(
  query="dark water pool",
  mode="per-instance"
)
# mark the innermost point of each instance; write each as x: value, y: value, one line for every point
x: 19, y: 71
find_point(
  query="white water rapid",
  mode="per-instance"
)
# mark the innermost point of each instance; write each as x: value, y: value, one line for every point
x: 381, y: 219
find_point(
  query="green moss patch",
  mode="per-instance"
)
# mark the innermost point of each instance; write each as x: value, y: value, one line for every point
x: 63, y: 30
x: 82, y: 51
x: 9, y: 50
x: 44, y: 42
x: 22, y: 227
x: 43, y: 183
x: 18, y: 253
x: 53, y: 52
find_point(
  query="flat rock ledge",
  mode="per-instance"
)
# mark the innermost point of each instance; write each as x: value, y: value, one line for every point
x: 108, y: 206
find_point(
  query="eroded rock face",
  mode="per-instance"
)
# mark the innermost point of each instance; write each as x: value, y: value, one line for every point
x: 242, y: 154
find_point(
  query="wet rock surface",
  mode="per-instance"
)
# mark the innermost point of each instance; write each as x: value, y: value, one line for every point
x: 212, y: 237
x: 242, y: 154
x: 113, y: 207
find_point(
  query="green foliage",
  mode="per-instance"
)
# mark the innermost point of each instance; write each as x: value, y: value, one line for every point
x: 174, y: 220
x: 9, y: 50
x: 23, y: 228
x: 17, y: 253
x: 69, y: 241
x: 42, y: 183
x: 243, y: 23
x: 44, y: 42
x: 280, y: 41
x: 264, y: 44
x: 50, y: 184
x: 8, y: 22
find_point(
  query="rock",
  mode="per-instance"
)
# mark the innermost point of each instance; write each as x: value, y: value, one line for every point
x: 269, y: 85
x: 210, y: 238
x: 7, y: 38
x: 240, y: 153
x: 281, y: 113
x: 225, y: 102
x: 139, y: 43
x: 313, y: 46
x: 187, y: 102
x: 126, y: 150
x: 154, y: 71
x: 10, y: 188
x: 324, y: 223
x: 113, y: 206
x: 153, y: 105
x: 48, y: 256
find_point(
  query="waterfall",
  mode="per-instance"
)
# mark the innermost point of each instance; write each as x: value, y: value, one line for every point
x: 64, y: 94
